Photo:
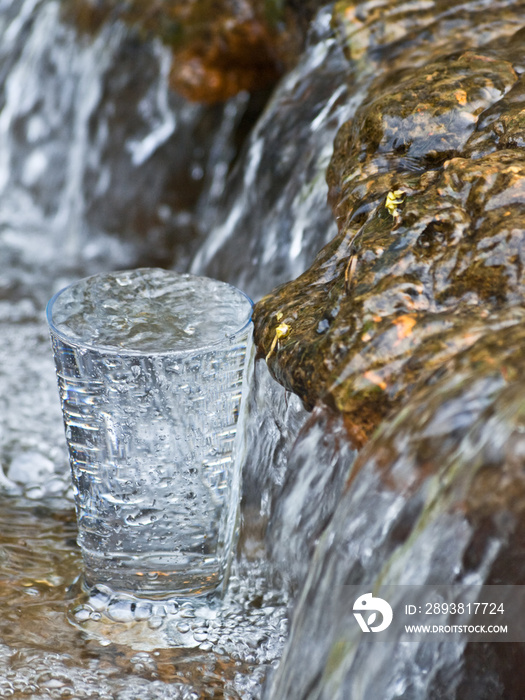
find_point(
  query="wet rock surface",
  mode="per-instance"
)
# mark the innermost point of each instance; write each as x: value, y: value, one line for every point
x: 436, y: 497
x: 426, y: 184
x: 413, y: 314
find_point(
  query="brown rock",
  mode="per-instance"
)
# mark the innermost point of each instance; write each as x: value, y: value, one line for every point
x: 427, y: 185
x: 220, y: 47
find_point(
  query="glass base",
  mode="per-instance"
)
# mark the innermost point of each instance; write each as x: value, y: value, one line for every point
x: 154, y: 582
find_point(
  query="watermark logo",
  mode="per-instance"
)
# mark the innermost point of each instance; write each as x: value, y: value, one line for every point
x: 368, y: 604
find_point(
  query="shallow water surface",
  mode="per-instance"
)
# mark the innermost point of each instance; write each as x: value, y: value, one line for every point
x: 59, y: 641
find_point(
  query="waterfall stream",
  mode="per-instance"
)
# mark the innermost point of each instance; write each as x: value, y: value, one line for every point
x: 103, y: 166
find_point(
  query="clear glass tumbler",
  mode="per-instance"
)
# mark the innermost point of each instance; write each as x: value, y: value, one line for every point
x: 151, y: 367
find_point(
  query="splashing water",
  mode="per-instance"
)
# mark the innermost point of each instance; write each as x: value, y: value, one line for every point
x: 278, y: 190
x: 149, y: 310
x: 89, y: 135
x: 114, y: 644
x: 435, y: 498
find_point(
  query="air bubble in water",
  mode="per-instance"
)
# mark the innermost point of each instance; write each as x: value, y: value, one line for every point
x: 121, y: 610
x: 82, y: 614
x: 155, y: 622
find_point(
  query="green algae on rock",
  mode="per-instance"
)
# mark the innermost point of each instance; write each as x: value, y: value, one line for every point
x: 392, y: 297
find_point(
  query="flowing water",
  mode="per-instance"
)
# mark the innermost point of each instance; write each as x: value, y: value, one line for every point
x: 98, y: 171
x: 435, y: 499
x: 277, y: 191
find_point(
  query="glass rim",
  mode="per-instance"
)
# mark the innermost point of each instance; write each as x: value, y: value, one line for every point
x: 110, y: 349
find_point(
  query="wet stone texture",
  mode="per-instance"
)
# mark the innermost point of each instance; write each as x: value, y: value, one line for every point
x: 426, y: 184
x: 409, y: 328
x: 436, y: 497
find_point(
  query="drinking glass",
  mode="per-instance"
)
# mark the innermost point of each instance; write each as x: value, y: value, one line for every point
x: 151, y: 369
